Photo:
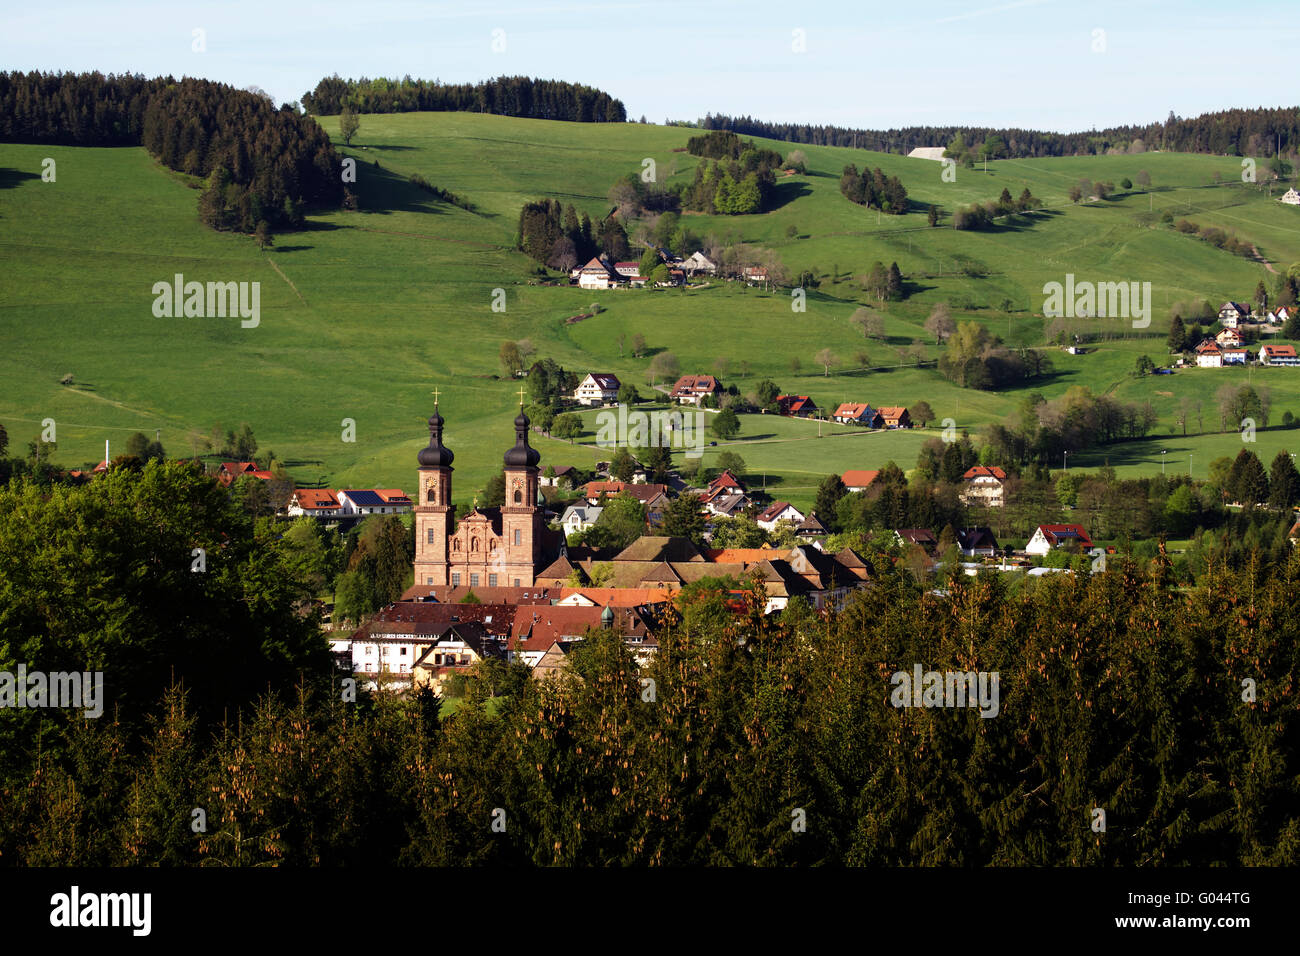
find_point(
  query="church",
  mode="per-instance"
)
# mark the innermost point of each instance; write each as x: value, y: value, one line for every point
x: 491, y: 547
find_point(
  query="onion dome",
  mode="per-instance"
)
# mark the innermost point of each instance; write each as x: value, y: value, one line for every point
x: 522, y: 455
x: 436, y: 454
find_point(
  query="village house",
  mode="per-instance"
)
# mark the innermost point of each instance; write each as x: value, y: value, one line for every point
x: 1209, y: 355
x: 895, y: 416
x: 921, y: 537
x: 796, y: 406
x: 755, y: 275
x: 697, y: 262
x: 693, y: 389
x: 1228, y: 337
x: 1238, y: 356
x: 597, y: 274
x: 859, y: 479
x: 1047, y: 537
x: 315, y: 503
x: 1232, y: 314
x: 1290, y: 197
x: 628, y: 270
x: 1278, y: 355
x: 855, y: 413
x: 561, y: 477
x: 776, y: 512
x: 598, y: 388
x: 653, y: 495
x: 811, y: 528
x: 579, y: 518
x: 984, y: 485
x: 977, y: 542
x: 373, y: 501
x: 229, y: 472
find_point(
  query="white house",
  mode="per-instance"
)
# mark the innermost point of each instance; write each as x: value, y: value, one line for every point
x: 373, y: 501
x: 1235, y: 356
x: 598, y: 388
x: 1227, y: 338
x: 1209, y: 355
x: 984, y: 484
x: 579, y: 518
x: 596, y: 274
x: 1049, y: 536
x: 1232, y: 314
x: 315, y: 503
x: 1291, y: 197
x: 1278, y: 355
x: 776, y: 512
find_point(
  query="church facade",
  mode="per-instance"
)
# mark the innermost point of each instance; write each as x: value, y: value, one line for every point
x: 491, y: 547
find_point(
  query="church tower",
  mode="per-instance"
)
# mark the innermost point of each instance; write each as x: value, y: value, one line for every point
x: 521, y: 520
x: 433, y: 511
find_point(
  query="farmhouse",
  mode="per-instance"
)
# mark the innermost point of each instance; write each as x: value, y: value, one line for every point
x: 858, y: 480
x: 698, y: 262
x: 796, y: 406
x: 693, y: 389
x: 755, y: 275
x: 1209, y: 355
x: 598, y: 388
x: 1291, y: 197
x: 1228, y: 337
x: 984, y: 484
x: 895, y: 416
x: 628, y: 270
x: 1049, y: 536
x: 854, y: 413
x: 1232, y: 314
x: 1278, y: 355
x: 315, y: 503
x: 776, y: 512
x: 597, y: 274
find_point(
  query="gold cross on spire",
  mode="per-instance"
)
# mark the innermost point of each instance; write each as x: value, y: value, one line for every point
x: 435, y: 398
x: 521, y: 396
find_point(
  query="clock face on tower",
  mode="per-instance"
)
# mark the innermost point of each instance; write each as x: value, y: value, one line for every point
x: 517, y: 491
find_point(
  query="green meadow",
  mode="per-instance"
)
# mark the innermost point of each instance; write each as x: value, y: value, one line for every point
x: 364, y: 313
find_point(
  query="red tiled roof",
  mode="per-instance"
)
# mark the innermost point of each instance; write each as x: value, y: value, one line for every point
x: 859, y: 478
x: 985, y: 471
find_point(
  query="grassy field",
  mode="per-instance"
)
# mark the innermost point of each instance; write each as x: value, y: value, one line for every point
x: 364, y: 313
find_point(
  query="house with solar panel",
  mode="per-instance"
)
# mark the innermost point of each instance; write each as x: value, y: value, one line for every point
x: 1048, y: 537
x: 373, y: 501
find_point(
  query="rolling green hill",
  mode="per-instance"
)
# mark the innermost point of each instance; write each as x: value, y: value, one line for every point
x: 365, y: 312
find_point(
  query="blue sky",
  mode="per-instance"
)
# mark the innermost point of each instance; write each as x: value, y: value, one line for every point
x: 1031, y: 63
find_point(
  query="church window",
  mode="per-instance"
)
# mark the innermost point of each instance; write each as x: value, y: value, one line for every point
x: 431, y: 539
x: 519, y: 536
x: 519, y: 497
x: 455, y: 545
x: 473, y: 580
x: 455, y: 579
x: 473, y: 544
x: 492, y: 580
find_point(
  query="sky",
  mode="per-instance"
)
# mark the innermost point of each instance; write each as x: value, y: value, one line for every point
x: 1034, y: 64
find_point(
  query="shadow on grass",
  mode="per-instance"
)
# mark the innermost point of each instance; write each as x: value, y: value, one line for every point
x: 9, y: 178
